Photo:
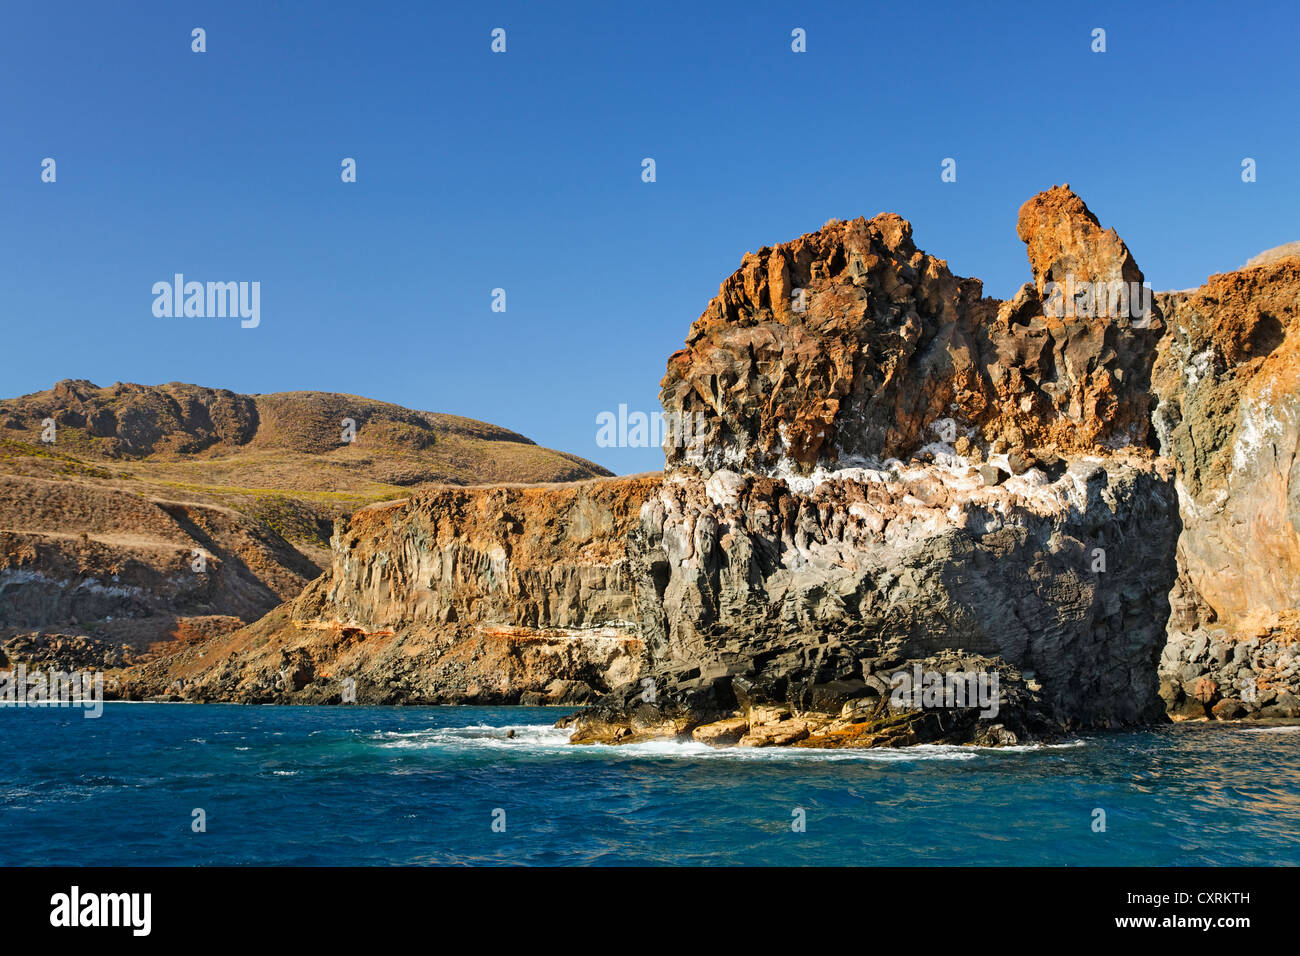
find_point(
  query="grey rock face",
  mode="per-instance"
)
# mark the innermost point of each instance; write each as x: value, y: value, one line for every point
x: 1211, y: 673
x: 754, y: 592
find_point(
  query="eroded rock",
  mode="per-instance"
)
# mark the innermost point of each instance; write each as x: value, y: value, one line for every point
x: 1229, y: 418
x: 895, y: 472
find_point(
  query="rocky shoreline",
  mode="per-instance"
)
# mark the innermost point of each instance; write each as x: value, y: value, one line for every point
x: 876, y: 710
x: 1090, y: 508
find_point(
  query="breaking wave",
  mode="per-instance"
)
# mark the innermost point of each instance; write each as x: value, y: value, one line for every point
x: 538, y: 739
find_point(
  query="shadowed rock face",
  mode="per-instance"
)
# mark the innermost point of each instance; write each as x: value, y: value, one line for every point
x: 786, y: 590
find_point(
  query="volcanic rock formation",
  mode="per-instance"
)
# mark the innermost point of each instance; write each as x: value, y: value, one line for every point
x: 475, y: 595
x: 894, y: 475
x: 1228, y: 377
x: 896, y: 469
x: 850, y: 344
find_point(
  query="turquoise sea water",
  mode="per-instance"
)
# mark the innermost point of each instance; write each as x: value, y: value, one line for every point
x: 382, y: 785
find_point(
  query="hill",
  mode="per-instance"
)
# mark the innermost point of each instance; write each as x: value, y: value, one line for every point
x: 137, y: 514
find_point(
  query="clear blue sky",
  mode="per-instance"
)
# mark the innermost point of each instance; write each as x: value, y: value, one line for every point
x: 523, y: 171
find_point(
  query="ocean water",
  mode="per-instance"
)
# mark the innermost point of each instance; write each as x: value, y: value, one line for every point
x: 382, y: 785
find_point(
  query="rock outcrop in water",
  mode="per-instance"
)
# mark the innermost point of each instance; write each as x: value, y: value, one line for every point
x: 911, y: 514
x: 893, y: 471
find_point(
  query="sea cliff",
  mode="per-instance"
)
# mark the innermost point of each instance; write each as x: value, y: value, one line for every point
x: 899, y: 488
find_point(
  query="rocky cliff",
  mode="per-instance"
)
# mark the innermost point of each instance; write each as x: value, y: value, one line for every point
x: 900, y: 495
x: 479, y: 595
x: 1228, y: 377
x: 135, y: 517
x: 897, y: 472
x: 851, y: 345
x: 894, y: 472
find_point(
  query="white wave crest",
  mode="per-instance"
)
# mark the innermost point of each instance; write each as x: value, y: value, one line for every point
x: 546, y: 739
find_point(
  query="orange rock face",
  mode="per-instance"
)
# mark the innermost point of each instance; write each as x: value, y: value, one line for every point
x: 1097, y: 376
x: 803, y: 353
x: 850, y: 345
x: 1064, y: 238
x: 1229, y: 381
x: 459, y: 595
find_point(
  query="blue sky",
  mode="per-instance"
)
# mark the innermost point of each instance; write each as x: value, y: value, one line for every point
x: 522, y: 171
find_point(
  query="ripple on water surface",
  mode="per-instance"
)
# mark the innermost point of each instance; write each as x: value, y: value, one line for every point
x: 374, y: 785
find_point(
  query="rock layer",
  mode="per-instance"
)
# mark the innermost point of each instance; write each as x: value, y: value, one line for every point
x: 804, y: 599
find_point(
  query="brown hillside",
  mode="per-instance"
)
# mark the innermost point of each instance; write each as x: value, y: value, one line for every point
x: 101, y: 530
